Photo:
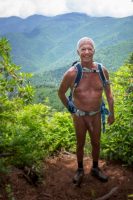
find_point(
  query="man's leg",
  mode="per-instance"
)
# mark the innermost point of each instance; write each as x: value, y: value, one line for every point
x: 80, y: 129
x: 95, y: 135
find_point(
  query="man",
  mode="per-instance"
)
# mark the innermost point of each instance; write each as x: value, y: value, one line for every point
x: 87, y: 98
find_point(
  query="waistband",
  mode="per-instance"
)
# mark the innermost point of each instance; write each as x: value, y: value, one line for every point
x: 84, y: 113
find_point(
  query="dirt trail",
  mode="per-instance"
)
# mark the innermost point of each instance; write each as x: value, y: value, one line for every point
x: 57, y: 183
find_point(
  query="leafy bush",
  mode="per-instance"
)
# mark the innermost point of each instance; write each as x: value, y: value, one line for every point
x: 15, y: 92
x: 117, y: 143
x: 61, y: 132
x: 28, y: 135
x: 37, y: 133
x: 28, y: 132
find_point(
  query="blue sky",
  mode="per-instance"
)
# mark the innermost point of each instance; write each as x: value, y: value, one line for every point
x: 25, y: 8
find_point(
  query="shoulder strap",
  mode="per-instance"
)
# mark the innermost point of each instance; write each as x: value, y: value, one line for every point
x: 102, y: 75
x: 77, y: 79
x: 104, y: 110
x: 79, y: 74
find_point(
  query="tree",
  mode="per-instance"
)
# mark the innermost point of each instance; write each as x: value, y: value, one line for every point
x: 15, y: 92
x: 13, y: 84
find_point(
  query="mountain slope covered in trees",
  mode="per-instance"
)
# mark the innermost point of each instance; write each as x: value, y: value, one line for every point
x: 41, y: 43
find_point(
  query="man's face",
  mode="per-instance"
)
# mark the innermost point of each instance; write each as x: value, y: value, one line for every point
x: 86, y: 51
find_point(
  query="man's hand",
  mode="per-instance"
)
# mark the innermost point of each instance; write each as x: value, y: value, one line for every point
x: 111, y: 119
x: 71, y: 107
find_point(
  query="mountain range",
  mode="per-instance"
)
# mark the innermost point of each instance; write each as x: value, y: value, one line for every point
x: 41, y: 43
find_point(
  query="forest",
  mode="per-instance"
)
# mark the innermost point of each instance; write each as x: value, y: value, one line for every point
x: 31, y: 131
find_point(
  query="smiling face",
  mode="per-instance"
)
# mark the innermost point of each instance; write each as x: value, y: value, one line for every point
x: 86, y: 50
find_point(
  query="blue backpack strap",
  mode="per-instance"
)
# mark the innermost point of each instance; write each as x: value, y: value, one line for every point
x: 104, y: 110
x: 78, y: 77
x: 101, y: 74
x: 79, y: 74
x: 75, y: 62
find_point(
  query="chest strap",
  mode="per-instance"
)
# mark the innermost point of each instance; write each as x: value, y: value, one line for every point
x: 84, y: 69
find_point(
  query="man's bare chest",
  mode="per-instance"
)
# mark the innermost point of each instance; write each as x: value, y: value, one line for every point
x: 90, y: 82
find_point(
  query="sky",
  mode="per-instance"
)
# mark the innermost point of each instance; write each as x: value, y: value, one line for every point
x: 98, y: 8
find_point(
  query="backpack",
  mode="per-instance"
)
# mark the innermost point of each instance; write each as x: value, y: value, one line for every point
x: 104, y: 111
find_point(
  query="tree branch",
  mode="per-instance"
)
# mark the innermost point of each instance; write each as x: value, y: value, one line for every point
x: 108, y: 195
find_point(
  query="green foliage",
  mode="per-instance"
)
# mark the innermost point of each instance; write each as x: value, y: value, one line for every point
x: 15, y: 92
x: 9, y: 192
x: 13, y: 83
x: 29, y: 132
x: 61, y: 133
x: 117, y: 143
x: 4, y: 168
x: 110, y: 56
x: 49, y: 96
x: 27, y: 137
x: 35, y: 133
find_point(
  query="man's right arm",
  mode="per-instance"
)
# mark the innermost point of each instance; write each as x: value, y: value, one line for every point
x: 66, y: 83
x: 64, y: 86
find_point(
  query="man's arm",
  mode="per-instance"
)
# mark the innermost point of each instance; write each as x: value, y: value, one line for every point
x: 66, y: 83
x: 110, y: 99
x: 64, y: 86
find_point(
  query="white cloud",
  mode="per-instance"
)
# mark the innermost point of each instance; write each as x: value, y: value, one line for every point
x: 115, y: 8
x: 51, y: 7
x: 24, y: 8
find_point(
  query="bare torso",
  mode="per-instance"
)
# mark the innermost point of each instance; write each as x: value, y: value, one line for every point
x: 87, y: 96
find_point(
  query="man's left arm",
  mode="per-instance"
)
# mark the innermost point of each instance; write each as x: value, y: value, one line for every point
x: 110, y: 99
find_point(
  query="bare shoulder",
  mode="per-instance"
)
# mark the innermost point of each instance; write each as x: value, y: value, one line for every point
x: 68, y: 79
x: 71, y: 70
x: 70, y: 73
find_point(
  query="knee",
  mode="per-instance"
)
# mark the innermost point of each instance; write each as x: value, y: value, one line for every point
x: 95, y: 144
x: 80, y: 146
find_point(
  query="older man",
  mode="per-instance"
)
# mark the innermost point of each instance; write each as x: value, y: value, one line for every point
x: 87, y: 98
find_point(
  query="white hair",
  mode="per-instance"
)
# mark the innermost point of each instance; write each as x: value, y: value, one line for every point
x: 84, y: 39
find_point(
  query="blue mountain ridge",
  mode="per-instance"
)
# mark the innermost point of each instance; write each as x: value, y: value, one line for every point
x: 40, y: 43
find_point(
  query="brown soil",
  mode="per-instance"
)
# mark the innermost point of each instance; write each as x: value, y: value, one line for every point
x: 57, y: 182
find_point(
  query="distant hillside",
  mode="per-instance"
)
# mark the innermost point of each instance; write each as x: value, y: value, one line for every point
x: 48, y: 78
x: 41, y: 43
x: 52, y: 78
